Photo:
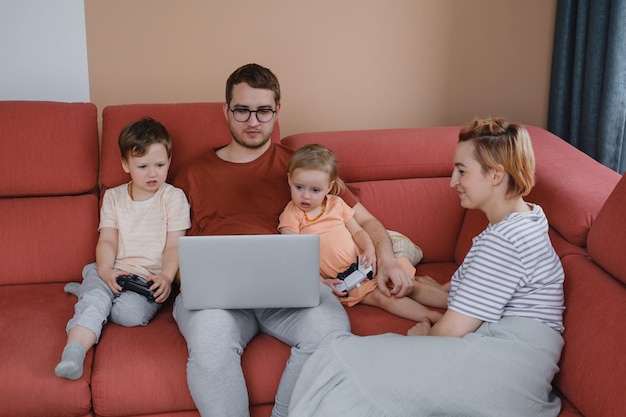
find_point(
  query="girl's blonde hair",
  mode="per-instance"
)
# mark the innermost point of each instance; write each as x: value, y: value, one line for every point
x: 319, y: 158
x: 498, y: 142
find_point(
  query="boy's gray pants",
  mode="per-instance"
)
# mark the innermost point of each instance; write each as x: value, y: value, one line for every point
x: 96, y: 302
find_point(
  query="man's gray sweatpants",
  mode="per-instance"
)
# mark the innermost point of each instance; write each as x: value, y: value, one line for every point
x: 216, y: 340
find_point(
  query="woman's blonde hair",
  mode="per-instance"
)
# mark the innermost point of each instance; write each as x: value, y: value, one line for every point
x: 319, y: 158
x: 500, y: 143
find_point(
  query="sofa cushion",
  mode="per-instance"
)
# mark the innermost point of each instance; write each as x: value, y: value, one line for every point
x: 385, y: 154
x: 32, y: 325
x: 607, y: 237
x: 426, y: 210
x: 592, y: 361
x: 47, y: 239
x: 474, y: 222
x: 47, y: 148
x: 194, y: 128
x: 128, y: 357
x: 563, y: 180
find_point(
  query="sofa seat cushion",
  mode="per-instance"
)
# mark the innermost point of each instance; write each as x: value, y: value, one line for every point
x: 263, y: 363
x: 33, y: 323
x: 607, y: 237
x: 594, y: 339
x: 128, y: 357
x: 142, y: 368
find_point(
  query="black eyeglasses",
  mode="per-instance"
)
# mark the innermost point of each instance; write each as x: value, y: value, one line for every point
x: 262, y: 115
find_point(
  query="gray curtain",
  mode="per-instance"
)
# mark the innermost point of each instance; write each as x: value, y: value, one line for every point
x: 588, y: 81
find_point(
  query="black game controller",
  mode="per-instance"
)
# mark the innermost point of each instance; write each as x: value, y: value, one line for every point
x: 135, y: 283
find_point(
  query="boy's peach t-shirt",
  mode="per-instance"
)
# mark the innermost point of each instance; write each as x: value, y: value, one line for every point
x: 142, y: 226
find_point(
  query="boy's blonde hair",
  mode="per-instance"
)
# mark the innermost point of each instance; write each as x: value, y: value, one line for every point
x: 498, y: 142
x: 319, y: 158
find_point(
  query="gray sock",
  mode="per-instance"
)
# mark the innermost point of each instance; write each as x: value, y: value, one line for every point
x: 71, y: 365
x: 72, y: 288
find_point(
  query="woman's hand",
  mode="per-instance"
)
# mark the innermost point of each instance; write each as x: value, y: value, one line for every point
x: 392, y: 280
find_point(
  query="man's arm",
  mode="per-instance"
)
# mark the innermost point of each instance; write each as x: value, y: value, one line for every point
x: 363, y: 241
x: 388, y: 272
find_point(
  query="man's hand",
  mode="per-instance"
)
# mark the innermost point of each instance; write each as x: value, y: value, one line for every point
x: 392, y: 280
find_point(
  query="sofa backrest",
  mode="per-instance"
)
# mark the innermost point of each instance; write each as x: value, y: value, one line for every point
x: 194, y: 128
x: 593, y: 356
x: 570, y: 186
x: 607, y: 237
x: 403, y: 178
x: 48, y: 190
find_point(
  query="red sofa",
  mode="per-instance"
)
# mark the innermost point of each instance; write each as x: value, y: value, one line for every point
x: 52, y: 175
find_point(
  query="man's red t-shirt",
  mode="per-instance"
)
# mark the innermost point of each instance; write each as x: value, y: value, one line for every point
x: 230, y: 198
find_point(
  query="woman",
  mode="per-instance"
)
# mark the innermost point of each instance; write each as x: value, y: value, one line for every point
x: 495, y: 350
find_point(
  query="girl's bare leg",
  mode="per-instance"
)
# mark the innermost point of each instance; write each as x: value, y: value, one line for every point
x: 430, y: 295
x: 405, y: 307
x: 425, y: 279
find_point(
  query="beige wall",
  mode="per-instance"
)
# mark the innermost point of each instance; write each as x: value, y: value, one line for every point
x: 342, y: 64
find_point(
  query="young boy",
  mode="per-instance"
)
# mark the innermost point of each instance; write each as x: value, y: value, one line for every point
x: 140, y: 223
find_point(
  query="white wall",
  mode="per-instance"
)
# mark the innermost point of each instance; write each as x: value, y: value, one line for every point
x: 43, y: 50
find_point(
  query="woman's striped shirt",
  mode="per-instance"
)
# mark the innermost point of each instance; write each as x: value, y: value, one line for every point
x: 511, y: 270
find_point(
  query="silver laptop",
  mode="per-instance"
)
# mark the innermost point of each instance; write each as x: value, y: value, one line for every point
x: 249, y: 271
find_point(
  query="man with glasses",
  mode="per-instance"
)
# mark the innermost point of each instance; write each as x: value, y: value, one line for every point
x: 242, y: 188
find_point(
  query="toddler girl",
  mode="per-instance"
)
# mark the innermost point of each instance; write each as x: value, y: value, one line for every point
x: 315, y: 207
